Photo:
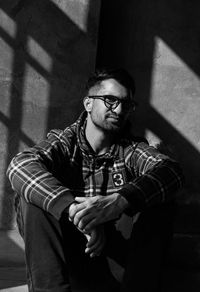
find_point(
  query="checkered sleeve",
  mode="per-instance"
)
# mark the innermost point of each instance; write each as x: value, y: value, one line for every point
x: 31, y: 175
x: 156, y: 177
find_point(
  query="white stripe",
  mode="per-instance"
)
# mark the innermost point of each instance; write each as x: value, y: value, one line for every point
x: 14, y: 167
x: 34, y: 182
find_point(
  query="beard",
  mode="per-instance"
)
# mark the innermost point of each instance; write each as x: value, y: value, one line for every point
x: 110, y: 123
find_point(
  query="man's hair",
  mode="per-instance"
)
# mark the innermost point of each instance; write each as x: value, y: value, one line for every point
x: 120, y: 75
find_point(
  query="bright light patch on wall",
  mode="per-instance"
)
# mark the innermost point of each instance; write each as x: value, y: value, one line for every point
x: 35, y: 104
x: 7, y: 24
x: 186, y: 124
x: 164, y: 55
x: 16, y: 238
x: 39, y: 54
x: 175, y: 92
x: 76, y: 11
x: 152, y: 138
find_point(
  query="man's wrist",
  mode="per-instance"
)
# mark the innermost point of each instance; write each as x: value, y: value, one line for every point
x: 122, y: 202
x: 66, y: 210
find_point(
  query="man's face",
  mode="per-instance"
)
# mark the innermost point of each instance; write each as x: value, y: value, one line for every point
x: 108, y: 118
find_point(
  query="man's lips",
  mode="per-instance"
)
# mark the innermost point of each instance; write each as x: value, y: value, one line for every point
x: 115, y: 118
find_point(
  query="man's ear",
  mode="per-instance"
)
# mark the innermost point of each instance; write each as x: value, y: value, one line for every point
x: 87, y: 102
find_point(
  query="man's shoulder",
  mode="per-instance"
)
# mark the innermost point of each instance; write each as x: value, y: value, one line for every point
x: 132, y: 141
x: 66, y: 136
x: 127, y: 146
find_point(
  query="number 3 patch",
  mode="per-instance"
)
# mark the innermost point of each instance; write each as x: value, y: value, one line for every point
x: 118, y: 179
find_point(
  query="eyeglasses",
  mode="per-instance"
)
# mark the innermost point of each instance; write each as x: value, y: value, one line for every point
x: 112, y: 102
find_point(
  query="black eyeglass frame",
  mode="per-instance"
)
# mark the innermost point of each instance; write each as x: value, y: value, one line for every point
x: 129, y: 105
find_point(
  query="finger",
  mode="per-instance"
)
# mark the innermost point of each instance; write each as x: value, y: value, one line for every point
x: 93, y: 247
x: 74, y: 209
x: 92, y: 240
x: 94, y: 254
x: 96, y: 248
x: 84, y: 221
x: 79, y: 215
x: 81, y: 199
x: 93, y: 223
x: 88, y: 236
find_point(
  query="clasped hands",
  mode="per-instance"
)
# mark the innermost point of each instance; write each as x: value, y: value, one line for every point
x: 89, y: 213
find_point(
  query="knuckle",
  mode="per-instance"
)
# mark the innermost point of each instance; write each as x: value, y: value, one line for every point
x: 75, y: 222
x: 76, y: 219
x: 72, y: 212
x: 82, y: 223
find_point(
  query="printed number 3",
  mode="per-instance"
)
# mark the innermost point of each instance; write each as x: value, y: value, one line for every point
x: 118, y: 179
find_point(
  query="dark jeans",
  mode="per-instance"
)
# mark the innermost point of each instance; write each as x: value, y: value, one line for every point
x: 56, y: 261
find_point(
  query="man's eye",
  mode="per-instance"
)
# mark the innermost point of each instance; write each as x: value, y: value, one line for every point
x: 111, y: 100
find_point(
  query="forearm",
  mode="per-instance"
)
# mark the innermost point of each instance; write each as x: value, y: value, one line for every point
x: 121, y: 204
x: 157, y: 185
x: 31, y: 179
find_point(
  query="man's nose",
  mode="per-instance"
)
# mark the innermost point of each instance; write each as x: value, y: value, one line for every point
x: 118, y: 109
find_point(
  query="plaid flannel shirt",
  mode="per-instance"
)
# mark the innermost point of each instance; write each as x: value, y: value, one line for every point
x: 52, y: 173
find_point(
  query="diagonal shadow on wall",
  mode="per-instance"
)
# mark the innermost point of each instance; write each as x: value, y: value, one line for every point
x: 127, y: 37
x: 132, y: 35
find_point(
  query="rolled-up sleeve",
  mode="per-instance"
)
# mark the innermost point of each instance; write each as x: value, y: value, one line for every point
x: 31, y: 175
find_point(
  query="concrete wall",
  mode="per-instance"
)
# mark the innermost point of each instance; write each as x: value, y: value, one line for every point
x: 158, y: 42
x: 47, y: 51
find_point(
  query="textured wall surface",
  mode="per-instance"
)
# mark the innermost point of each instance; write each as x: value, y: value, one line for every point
x: 47, y: 51
x: 158, y: 42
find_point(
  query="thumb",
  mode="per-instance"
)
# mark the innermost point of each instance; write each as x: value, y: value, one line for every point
x: 88, y: 236
x: 80, y: 199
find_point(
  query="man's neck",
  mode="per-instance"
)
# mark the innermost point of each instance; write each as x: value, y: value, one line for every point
x: 98, y: 140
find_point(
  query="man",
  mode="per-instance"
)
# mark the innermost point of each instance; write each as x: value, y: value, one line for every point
x: 72, y: 188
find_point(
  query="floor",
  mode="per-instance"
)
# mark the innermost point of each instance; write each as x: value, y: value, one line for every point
x: 12, y: 267
x: 13, y: 277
